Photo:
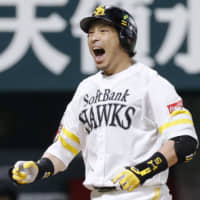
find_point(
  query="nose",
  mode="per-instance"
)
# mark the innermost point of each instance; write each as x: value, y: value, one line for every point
x: 95, y: 36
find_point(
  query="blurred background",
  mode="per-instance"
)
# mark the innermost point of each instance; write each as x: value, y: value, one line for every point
x: 44, y: 56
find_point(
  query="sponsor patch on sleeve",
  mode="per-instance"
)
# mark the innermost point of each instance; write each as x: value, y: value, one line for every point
x: 58, y: 132
x: 175, y: 106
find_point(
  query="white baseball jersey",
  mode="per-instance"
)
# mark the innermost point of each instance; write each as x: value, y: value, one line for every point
x: 120, y: 120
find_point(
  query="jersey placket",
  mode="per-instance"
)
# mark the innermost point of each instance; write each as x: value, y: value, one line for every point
x: 101, y: 153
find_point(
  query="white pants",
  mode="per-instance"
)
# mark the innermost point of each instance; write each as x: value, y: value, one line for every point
x: 141, y: 193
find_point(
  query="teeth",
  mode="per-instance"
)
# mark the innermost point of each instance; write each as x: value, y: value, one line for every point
x: 96, y: 48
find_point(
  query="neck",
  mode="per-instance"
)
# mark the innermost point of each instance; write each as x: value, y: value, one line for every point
x: 119, y: 64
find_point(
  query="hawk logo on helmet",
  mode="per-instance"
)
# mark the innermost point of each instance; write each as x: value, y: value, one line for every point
x: 124, y: 20
x: 99, y: 11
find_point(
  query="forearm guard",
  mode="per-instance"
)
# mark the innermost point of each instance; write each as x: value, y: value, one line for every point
x: 150, y: 167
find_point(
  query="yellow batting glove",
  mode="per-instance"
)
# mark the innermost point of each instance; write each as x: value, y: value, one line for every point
x: 127, y: 180
x: 132, y: 177
x: 24, y: 172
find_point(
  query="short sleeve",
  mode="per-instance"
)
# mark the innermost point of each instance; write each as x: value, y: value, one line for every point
x: 69, y: 136
x: 168, y: 110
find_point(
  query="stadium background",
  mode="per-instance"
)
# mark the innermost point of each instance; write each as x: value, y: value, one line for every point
x: 43, y: 57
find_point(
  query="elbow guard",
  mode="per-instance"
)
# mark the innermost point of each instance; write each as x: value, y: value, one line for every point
x: 185, y: 147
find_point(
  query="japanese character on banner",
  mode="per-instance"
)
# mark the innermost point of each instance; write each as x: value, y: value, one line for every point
x: 27, y: 32
x: 183, y: 22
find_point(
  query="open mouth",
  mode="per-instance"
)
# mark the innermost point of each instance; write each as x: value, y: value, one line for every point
x: 98, y: 51
x: 99, y: 54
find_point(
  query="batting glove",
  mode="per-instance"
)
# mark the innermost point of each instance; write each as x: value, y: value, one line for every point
x: 24, y: 172
x: 127, y: 180
x: 132, y: 177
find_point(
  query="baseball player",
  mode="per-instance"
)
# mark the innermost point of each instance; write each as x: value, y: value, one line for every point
x: 129, y: 122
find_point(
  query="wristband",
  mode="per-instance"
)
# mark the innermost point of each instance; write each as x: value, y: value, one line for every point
x: 150, y: 167
x: 46, y: 168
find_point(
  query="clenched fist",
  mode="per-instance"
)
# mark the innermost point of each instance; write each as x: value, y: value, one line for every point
x: 24, y: 172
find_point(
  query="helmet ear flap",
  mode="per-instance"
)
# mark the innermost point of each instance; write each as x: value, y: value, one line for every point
x: 124, y: 41
x: 121, y: 35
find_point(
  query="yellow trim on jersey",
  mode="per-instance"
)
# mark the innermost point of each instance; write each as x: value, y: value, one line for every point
x: 71, y: 135
x: 188, y: 159
x: 157, y: 194
x: 178, y: 112
x: 174, y: 123
x: 68, y: 146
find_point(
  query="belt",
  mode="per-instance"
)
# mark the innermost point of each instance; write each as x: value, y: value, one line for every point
x: 105, y: 189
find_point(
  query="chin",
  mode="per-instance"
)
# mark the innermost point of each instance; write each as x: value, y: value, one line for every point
x: 100, y: 66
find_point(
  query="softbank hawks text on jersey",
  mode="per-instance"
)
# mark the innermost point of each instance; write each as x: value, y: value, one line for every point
x: 107, y: 108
